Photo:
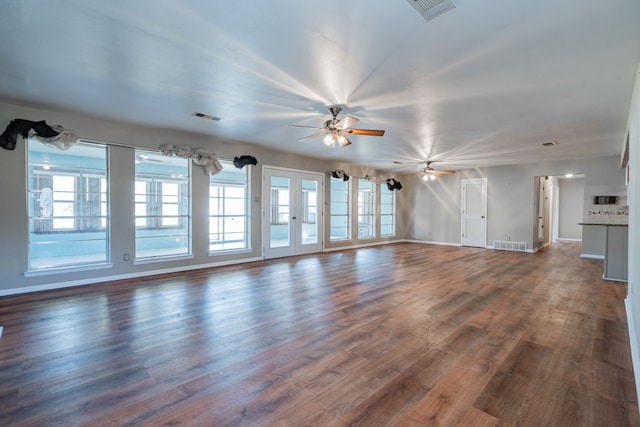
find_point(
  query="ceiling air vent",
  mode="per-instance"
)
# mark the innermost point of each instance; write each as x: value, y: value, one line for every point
x: 206, y: 116
x: 430, y: 9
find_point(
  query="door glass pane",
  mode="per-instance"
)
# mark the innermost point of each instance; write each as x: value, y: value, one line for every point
x: 279, y: 212
x: 309, y: 202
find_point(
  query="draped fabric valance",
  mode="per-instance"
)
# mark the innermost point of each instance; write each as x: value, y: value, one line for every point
x: 199, y: 156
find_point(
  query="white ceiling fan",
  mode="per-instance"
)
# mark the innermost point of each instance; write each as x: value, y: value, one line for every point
x: 428, y: 173
x: 335, y: 130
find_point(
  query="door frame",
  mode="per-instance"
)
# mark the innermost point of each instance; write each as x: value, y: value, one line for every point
x: 265, y: 211
x: 463, y: 208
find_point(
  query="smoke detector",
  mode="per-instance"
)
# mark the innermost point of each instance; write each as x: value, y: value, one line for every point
x: 430, y: 9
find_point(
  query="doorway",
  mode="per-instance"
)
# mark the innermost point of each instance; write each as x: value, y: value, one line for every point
x: 558, y: 208
x: 474, y: 213
x: 543, y: 206
x: 292, y: 212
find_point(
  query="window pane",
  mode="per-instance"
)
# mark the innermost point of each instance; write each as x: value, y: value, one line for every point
x: 387, y: 212
x: 366, y: 209
x: 309, y: 197
x: 340, y: 210
x: 68, y: 205
x: 228, y: 208
x: 162, y: 205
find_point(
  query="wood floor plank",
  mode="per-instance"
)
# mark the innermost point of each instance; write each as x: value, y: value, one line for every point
x: 403, y: 334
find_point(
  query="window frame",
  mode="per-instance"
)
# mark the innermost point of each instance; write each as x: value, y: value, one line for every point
x: 224, y: 184
x: 154, y: 226
x: 89, y: 207
x: 371, y: 211
x: 384, y: 190
x: 349, y: 209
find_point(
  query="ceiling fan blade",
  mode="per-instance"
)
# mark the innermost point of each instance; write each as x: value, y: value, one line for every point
x: 368, y: 132
x: 408, y: 163
x: 313, y: 136
x: 347, y: 122
x: 306, y: 127
x: 444, y: 172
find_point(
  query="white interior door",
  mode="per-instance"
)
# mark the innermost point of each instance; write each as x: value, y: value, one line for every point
x: 292, y: 212
x: 474, y: 212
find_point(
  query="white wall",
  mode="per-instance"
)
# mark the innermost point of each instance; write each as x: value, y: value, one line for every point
x: 633, y: 297
x: 570, y: 208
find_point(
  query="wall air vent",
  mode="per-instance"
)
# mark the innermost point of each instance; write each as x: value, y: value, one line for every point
x: 206, y: 116
x: 508, y: 245
x: 430, y: 9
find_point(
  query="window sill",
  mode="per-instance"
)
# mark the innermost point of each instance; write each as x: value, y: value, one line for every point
x: 161, y: 259
x: 230, y: 251
x: 63, y: 270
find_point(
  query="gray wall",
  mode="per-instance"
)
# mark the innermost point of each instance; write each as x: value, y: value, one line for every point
x: 13, y: 210
x: 427, y: 211
x: 510, y: 198
x: 571, y: 201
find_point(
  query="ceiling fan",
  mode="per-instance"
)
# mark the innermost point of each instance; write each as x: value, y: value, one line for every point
x: 334, y: 129
x: 428, y: 173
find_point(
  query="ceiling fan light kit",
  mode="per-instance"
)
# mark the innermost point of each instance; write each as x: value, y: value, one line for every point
x: 428, y: 176
x: 334, y: 137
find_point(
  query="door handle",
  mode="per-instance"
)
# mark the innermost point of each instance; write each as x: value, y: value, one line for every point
x: 293, y: 217
x: 482, y: 217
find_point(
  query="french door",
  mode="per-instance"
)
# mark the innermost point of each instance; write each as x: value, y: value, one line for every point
x: 474, y: 212
x: 292, y: 212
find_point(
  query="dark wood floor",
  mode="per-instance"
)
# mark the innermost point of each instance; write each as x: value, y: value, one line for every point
x: 405, y: 334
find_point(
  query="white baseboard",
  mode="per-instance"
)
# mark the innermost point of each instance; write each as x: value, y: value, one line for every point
x: 431, y: 242
x: 568, y: 239
x: 635, y: 355
x: 363, y: 245
x: 591, y: 256
x: 101, y: 279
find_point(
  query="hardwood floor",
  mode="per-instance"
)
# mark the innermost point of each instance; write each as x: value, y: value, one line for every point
x: 404, y: 334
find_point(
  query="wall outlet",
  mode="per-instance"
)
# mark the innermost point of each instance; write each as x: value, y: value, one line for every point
x: 125, y: 257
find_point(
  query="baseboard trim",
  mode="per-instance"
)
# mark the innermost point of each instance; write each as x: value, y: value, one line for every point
x: 591, y: 256
x: 102, y: 279
x: 432, y: 242
x: 635, y: 355
x: 341, y: 248
x: 568, y: 239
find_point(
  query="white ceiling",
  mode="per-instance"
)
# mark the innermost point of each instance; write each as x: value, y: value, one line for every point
x: 483, y: 84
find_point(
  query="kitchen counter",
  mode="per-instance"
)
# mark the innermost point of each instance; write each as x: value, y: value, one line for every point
x: 603, y: 223
x: 616, y: 245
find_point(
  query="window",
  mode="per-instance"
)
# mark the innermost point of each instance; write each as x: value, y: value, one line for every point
x: 387, y: 211
x: 279, y: 200
x: 162, y: 205
x: 229, y: 208
x: 68, y: 206
x: 340, y: 208
x: 366, y: 209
